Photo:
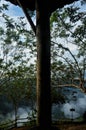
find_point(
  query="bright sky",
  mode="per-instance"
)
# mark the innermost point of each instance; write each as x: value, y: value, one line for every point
x: 15, y: 11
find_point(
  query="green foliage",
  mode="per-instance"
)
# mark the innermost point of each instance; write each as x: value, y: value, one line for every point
x: 57, y: 97
x: 67, y: 30
x: 17, y: 69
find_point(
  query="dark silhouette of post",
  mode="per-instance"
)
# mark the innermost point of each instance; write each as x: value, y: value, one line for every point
x: 43, y: 65
x: 72, y: 110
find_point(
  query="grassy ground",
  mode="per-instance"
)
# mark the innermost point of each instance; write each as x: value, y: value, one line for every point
x: 72, y: 127
x: 62, y: 127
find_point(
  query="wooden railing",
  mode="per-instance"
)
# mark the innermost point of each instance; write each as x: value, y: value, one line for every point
x: 17, y: 123
x: 7, y: 125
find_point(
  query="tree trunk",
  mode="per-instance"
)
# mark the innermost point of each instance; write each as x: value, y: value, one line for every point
x: 43, y: 65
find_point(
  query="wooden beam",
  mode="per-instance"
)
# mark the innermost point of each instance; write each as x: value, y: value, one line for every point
x: 53, y: 4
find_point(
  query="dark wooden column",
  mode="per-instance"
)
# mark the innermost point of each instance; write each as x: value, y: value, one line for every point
x: 43, y: 64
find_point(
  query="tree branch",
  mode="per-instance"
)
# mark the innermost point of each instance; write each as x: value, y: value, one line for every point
x: 65, y: 26
x: 67, y: 49
x: 67, y: 62
x: 27, y: 16
x: 83, y: 89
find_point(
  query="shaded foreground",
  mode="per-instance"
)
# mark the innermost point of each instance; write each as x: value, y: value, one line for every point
x: 72, y: 127
x: 35, y: 128
x: 59, y: 127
